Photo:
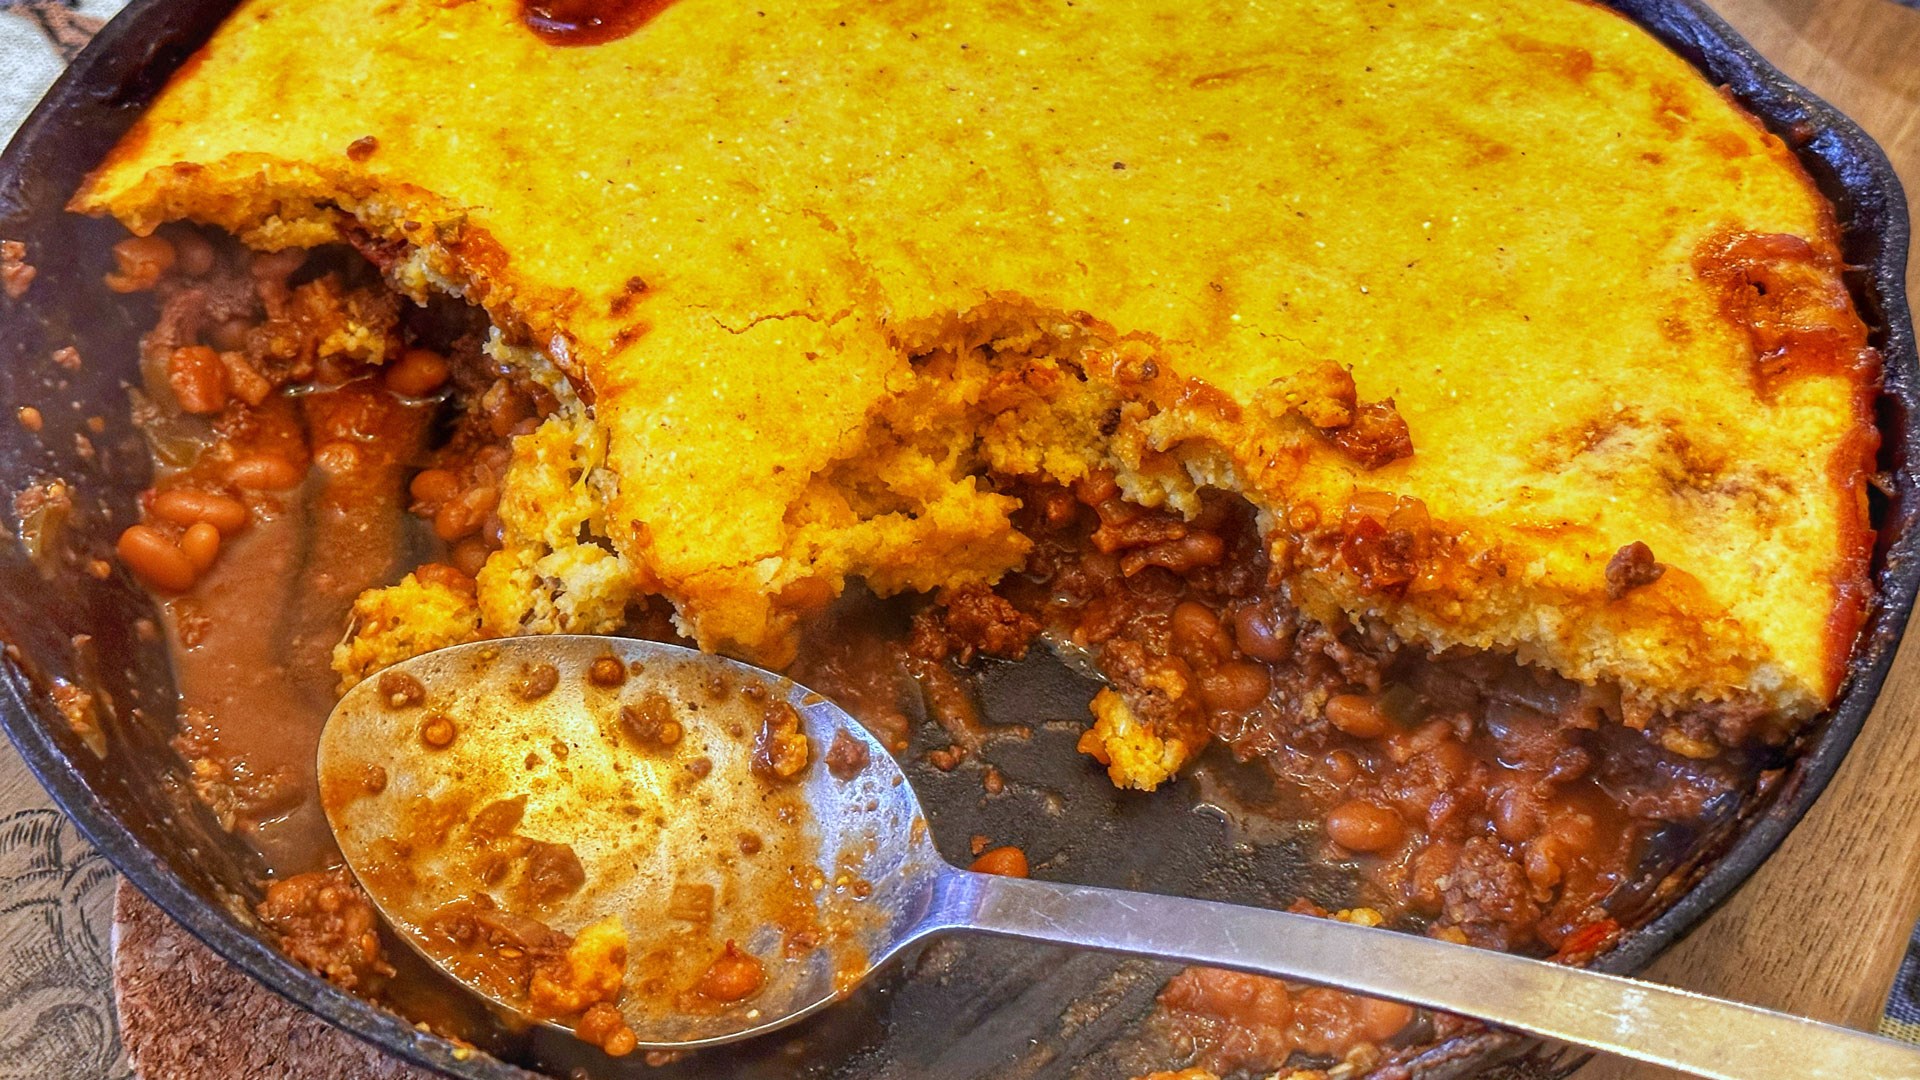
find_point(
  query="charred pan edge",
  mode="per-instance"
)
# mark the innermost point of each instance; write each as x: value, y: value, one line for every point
x: 126, y: 65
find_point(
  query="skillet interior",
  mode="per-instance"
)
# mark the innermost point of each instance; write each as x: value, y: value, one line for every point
x: 134, y: 802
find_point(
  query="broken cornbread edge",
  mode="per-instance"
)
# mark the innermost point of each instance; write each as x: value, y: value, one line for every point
x: 1435, y: 584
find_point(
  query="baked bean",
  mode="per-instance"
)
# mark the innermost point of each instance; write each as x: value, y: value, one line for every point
x: 1235, y: 687
x: 155, y: 559
x: 439, y: 732
x: 1342, y: 767
x: 1096, y: 487
x: 1435, y: 741
x: 191, y: 506
x: 607, y: 671
x: 1451, y: 759
x: 1358, y: 715
x: 462, y: 517
x: 1544, y: 862
x: 1446, y: 805
x: 734, y: 975
x: 244, y: 381
x: 447, y: 577
x: 201, y: 545
x: 417, y: 373
x: 1569, y: 763
x: 603, y: 1026
x: 1382, y: 1020
x: 1358, y: 825
x: 197, y: 379
x: 1057, y: 508
x: 276, y: 265
x: 621, y: 1042
x: 1516, y: 814
x: 470, y: 556
x: 1003, y: 861
x: 1256, y: 633
x: 140, y: 262
x: 434, y: 486
x: 193, y: 253
x: 264, y: 472
x: 505, y: 407
x: 807, y: 594
x: 230, y: 335
x: 1195, y: 626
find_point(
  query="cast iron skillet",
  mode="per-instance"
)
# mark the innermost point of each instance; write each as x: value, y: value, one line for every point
x: 972, y: 1008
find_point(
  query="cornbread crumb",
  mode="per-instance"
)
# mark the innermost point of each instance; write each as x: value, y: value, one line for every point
x: 591, y: 971
x: 1134, y: 754
x: 402, y: 621
x: 556, y: 574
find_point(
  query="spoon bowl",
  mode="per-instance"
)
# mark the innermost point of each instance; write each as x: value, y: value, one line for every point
x: 568, y: 780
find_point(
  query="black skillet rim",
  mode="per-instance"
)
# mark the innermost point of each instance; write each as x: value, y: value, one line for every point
x: 132, y: 56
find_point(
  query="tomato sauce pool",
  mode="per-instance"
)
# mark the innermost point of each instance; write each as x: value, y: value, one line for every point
x: 587, y: 22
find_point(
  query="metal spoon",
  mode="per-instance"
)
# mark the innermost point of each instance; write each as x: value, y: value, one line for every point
x: 659, y: 769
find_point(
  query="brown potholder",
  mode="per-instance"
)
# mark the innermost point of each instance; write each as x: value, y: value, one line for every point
x: 186, y: 1014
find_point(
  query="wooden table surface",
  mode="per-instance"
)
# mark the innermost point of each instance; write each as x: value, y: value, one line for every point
x: 1819, y: 931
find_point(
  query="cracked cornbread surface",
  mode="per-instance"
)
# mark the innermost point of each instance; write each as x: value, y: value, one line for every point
x: 817, y: 268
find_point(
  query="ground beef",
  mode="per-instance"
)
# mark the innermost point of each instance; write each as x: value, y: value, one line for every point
x: 976, y: 620
x: 1631, y: 567
x: 326, y: 924
x: 1487, y: 895
x: 15, y: 272
x: 1378, y: 435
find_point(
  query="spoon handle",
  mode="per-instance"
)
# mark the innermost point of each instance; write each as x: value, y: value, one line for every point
x: 1643, y: 1021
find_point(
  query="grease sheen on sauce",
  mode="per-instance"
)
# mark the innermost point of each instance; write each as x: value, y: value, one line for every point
x: 587, y: 22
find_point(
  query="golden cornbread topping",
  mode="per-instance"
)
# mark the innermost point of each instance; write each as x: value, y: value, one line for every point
x: 744, y: 261
x: 1457, y: 409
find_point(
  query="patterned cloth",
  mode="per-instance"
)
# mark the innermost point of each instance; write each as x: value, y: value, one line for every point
x: 1900, y: 1019
x: 37, y: 39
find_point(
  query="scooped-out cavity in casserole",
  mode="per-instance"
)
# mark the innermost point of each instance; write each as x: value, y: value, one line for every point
x: 1456, y: 408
